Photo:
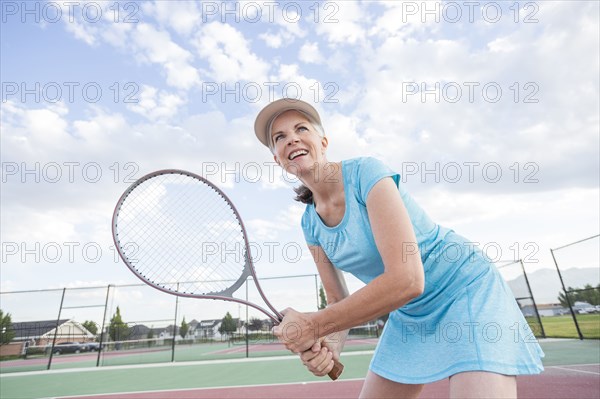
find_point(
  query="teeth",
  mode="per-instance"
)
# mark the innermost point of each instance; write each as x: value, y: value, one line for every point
x: 296, y: 153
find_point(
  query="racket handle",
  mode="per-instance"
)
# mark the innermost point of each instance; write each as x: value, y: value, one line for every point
x: 336, y: 371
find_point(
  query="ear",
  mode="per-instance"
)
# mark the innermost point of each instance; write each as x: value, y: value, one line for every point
x: 276, y: 160
x: 324, y: 143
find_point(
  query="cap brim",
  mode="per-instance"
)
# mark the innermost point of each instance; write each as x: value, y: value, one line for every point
x: 263, y: 120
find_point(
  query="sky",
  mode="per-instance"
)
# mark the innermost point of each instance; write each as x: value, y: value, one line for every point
x: 488, y: 110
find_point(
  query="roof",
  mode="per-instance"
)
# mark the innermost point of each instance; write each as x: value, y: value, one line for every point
x: 208, y: 323
x: 34, y: 329
x: 138, y: 331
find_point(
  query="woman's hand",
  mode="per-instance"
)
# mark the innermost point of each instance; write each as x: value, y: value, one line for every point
x: 297, y: 331
x: 319, y: 359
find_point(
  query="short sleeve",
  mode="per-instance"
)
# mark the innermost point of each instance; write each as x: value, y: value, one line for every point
x: 370, y: 171
x: 308, y: 229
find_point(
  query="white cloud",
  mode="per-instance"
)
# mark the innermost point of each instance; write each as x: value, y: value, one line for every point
x: 285, y: 28
x: 156, y: 104
x: 344, y: 140
x: 403, y: 19
x: 181, y: 16
x: 99, y: 131
x: 310, y: 54
x: 345, y: 25
x: 471, y: 130
x: 502, y: 44
x: 271, y: 229
x: 34, y: 132
x: 228, y: 54
x: 145, y: 41
x: 273, y: 40
x: 157, y: 47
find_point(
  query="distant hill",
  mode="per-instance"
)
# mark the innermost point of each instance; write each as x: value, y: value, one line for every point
x: 545, y: 283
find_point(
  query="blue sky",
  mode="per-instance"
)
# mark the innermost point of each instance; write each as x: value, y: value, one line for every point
x: 363, y: 68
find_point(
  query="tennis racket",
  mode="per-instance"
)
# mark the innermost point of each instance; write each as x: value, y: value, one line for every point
x: 181, y: 234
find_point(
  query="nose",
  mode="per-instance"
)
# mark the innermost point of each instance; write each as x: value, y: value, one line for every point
x: 293, y: 138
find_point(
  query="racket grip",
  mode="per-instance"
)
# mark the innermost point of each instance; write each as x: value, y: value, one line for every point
x: 336, y: 371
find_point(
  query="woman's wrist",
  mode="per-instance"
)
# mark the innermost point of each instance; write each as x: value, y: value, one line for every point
x: 321, y: 320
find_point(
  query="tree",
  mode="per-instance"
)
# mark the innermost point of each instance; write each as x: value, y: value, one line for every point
x: 322, y: 297
x: 6, y: 331
x: 255, y: 324
x: 117, y: 329
x: 562, y: 298
x: 587, y: 294
x: 183, y: 330
x: 591, y: 295
x: 150, y: 336
x: 228, y: 325
x: 90, y: 326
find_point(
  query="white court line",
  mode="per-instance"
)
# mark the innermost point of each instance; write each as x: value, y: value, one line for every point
x: 575, y: 370
x: 565, y: 367
x: 174, y: 364
x: 205, y: 388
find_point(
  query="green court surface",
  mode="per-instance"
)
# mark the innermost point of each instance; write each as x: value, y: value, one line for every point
x: 162, y: 354
x: 223, y: 373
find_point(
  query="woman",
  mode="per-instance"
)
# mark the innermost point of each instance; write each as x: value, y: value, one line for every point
x: 450, y: 312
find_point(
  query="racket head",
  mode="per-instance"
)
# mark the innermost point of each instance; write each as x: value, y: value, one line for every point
x: 167, y: 222
x: 181, y: 234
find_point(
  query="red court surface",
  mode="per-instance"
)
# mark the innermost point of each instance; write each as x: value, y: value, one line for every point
x: 576, y: 381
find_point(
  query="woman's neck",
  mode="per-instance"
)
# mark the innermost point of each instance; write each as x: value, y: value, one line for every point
x: 326, y: 182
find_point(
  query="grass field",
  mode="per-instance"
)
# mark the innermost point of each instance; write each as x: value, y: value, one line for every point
x: 564, y: 327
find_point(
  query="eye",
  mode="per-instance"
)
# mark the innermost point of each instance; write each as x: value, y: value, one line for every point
x: 302, y: 128
x: 277, y: 137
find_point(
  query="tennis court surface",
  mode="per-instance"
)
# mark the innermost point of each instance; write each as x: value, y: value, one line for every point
x: 572, y: 371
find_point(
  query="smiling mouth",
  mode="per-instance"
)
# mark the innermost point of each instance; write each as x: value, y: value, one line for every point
x: 297, y: 154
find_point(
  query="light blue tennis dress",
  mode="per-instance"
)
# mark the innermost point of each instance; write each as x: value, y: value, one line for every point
x: 466, y: 319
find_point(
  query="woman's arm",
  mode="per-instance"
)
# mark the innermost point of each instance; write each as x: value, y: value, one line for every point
x: 335, y: 290
x: 402, y: 280
x: 332, y: 279
x: 319, y: 358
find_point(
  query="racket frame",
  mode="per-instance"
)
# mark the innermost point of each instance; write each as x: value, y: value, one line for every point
x: 225, y: 295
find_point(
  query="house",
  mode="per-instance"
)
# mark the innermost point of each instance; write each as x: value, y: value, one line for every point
x: 209, y: 329
x: 138, y: 331
x: 41, y: 333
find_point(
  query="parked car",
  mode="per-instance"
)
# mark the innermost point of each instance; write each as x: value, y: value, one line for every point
x: 69, y: 347
x: 586, y: 310
x: 93, y: 346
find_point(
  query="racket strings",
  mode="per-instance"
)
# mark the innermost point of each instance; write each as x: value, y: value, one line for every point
x: 160, y: 259
x: 187, y: 237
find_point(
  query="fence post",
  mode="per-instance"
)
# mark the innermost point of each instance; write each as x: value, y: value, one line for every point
x: 175, y: 326
x: 247, y: 343
x: 103, y: 324
x: 317, y: 292
x: 56, y: 329
x: 537, y: 313
x: 567, y: 297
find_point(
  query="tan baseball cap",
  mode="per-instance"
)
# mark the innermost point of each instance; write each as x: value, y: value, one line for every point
x: 267, y: 114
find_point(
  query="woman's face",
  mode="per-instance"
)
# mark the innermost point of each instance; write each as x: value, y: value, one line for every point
x: 297, y: 146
